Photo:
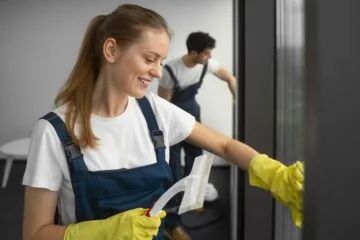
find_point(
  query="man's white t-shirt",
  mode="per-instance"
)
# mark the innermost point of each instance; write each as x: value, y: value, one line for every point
x: 186, y: 76
x: 124, y: 142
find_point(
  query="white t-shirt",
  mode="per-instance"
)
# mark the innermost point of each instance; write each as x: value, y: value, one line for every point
x: 186, y: 76
x: 124, y: 143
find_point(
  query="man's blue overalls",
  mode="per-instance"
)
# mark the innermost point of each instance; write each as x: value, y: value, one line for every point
x: 185, y: 99
x: 101, y: 194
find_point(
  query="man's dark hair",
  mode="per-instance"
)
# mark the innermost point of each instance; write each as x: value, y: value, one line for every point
x: 199, y: 41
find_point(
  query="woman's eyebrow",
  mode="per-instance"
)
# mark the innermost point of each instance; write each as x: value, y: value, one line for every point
x: 156, y: 54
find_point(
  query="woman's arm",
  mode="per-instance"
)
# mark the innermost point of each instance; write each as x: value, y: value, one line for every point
x: 285, y: 183
x: 229, y: 149
x: 39, y: 212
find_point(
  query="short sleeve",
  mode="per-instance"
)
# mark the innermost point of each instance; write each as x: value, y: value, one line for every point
x: 43, y: 169
x: 213, y: 65
x: 177, y: 123
x: 166, y: 81
x: 181, y: 125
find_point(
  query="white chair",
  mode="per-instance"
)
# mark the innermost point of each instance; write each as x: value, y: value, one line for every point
x: 14, y: 150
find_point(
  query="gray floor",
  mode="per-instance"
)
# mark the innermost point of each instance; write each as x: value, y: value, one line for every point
x: 11, y: 205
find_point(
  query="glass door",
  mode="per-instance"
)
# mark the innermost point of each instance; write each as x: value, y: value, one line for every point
x: 289, y: 99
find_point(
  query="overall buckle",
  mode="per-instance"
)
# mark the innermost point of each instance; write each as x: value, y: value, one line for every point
x: 157, y: 138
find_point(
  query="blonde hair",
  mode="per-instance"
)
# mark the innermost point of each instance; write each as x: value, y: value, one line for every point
x: 125, y: 25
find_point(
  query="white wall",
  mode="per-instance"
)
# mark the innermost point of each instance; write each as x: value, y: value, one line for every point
x: 39, y: 41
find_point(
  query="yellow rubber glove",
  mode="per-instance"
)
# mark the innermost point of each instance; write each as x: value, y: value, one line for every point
x: 285, y: 183
x: 132, y: 224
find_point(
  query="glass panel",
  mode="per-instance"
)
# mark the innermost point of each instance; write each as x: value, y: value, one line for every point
x: 290, y: 104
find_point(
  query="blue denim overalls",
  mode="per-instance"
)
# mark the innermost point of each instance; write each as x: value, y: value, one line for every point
x: 185, y: 99
x: 101, y: 194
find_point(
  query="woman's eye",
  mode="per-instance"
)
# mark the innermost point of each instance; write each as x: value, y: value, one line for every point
x: 150, y: 60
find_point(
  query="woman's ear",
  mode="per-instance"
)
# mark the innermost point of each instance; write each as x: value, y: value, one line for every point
x: 110, y: 50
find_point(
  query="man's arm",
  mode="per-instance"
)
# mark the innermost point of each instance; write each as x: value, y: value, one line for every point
x: 226, y: 76
x: 165, y: 93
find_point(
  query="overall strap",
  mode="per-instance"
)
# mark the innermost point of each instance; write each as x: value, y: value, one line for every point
x: 73, y: 153
x: 156, y: 134
x: 203, y: 74
x: 172, y: 75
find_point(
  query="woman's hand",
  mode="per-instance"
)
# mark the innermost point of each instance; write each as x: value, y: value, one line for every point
x: 132, y: 224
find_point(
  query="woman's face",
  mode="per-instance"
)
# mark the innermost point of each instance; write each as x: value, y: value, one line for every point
x: 137, y: 65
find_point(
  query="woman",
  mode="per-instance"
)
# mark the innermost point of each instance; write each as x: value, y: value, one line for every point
x: 101, y: 157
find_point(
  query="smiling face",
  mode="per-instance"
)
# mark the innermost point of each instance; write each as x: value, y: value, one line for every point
x: 135, y: 66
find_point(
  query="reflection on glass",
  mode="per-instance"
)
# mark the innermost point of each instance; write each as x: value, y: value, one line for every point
x: 290, y: 78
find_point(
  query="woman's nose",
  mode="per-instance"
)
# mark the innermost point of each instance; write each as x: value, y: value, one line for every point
x: 156, y: 72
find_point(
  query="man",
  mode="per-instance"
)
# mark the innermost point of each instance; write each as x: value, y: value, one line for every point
x: 182, y: 77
